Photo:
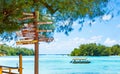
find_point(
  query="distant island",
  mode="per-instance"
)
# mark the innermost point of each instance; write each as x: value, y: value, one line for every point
x: 94, y: 49
x: 6, y: 50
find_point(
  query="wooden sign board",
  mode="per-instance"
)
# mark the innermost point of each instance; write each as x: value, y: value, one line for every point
x: 26, y: 42
x: 42, y: 23
x: 26, y: 38
x: 42, y: 36
x: 24, y: 31
x: 29, y: 25
x: 26, y: 18
x: 46, y: 39
x: 19, y: 33
x: 28, y: 33
x: 28, y: 14
x: 28, y: 30
x: 44, y: 30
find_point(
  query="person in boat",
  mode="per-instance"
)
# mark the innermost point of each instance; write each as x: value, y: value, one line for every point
x: 80, y: 60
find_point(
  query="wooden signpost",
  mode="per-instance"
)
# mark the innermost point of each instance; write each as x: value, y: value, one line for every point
x: 31, y: 36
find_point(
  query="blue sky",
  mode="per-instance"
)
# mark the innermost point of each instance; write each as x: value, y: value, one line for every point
x: 105, y: 31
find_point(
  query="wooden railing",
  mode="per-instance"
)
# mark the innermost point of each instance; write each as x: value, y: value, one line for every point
x: 8, y: 69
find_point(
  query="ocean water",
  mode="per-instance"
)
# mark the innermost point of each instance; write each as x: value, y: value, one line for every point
x: 60, y: 64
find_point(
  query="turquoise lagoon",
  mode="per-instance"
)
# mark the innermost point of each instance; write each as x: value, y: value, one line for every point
x: 60, y: 64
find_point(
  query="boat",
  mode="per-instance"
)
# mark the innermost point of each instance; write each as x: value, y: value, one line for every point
x: 80, y: 61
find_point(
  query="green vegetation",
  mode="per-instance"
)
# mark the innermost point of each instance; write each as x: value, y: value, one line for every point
x: 94, y: 49
x: 13, y: 51
x: 58, y: 11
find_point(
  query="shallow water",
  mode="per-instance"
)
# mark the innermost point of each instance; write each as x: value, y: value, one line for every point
x: 60, y: 64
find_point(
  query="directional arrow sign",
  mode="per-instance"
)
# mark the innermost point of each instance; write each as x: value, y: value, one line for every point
x: 25, y: 31
x: 26, y: 38
x: 28, y: 17
x: 50, y: 40
x: 41, y: 23
x: 29, y: 25
x: 28, y: 31
x: 29, y: 14
x: 26, y: 42
x: 43, y: 36
x: 46, y: 39
x: 29, y: 35
x: 44, y: 30
x: 18, y: 33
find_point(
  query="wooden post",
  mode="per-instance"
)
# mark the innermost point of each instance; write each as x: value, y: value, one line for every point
x: 0, y: 70
x: 9, y: 70
x: 20, y: 64
x: 36, y: 63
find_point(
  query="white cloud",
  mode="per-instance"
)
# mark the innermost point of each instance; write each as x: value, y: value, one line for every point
x: 95, y: 39
x: 107, y: 17
x: 89, y: 40
x: 110, y: 42
x: 67, y: 45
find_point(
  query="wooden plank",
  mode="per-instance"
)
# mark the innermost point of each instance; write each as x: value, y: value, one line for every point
x: 30, y: 14
x: 29, y: 30
x: 27, y: 38
x: 0, y: 69
x: 8, y: 72
x: 32, y: 34
x: 44, y: 30
x: 25, y: 31
x: 29, y: 25
x: 26, y: 42
x: 42, y: 23
x: 19, y: 33
x: 46, y: 39
x: 25, y: 18
x: 11, y: 68
x: 43, y: 36
x: 28, y: 33
x: 8, y: 67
